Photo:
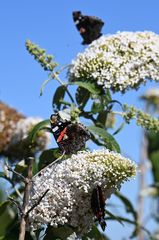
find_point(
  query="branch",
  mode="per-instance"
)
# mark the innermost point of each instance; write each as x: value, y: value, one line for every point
x: 16, y: 173
x: 13, y: 185
x: 16, y: 203
x: 27, y: 189
x: 88, y: 115
x: 142, y: 176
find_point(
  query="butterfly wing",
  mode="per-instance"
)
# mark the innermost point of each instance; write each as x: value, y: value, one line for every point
x: 94, y: 28
x: 98, y: 206
x: 89, y: 27
x: 70, y: 137
x: 75, y: 138
x: 59, y: 127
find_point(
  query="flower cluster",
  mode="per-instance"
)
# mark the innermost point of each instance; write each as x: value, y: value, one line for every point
x: 40, y: 55
x: 119, y: 62
x: 14, y: 129
x: 71, y: 183
x: 130, y: 113
x: 149, y: 123
x: 152, y: 97
x: 143, y: 119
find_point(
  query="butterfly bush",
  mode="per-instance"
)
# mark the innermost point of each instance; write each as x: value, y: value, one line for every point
x: 118, y: 62
x: 23, y: 127
x: 71, y: 182
x: 14, y: 129
x: 151, y: 96
x: 152, y: 93
x: 143, y: 119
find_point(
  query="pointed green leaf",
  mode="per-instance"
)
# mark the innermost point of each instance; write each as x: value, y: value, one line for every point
x: 2, y: 174
x: 3, y: 206
x: 47, y: 157
x: 12, y: 230
x: 128, y: 205
x: 20, y: 167
x: 41, y: 125
x: 135, y: 223
x: 113, y: 217
x: 153, y: 141
x: 91, y: 87
x: 101, y: 118
x: 43, y: 85
x: 154, y: 158
x: 119, y: 129
x: 82, y: 96
x: 94, y: 234
x: 109, y: 140
x: 60, y: 233
x: 58, y: 97
x: 97, y: 107
x: 107, y: 97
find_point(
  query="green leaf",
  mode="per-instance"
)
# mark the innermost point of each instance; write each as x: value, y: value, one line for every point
x: 94, y: 234
x: 47, y: 157
x: 82, y: 96
x: 12, y: 231
x: 58, y: 97
x: 101, y: 118
x: 135, y: 223
x: 119, y: 129
x: 113, y: 217
x: 2, y: 175
x: 97, y: 107
x: 60, y: 233
x: 20, y: 168
x: 128, y: 205
x: 91, y: 87
x: 153, y: 141
x: 3, y: 206
x: 109, y: 140
x: 154, y: 158
x: 107, y: 97
x: 43, y: 85
x: 37, y: 128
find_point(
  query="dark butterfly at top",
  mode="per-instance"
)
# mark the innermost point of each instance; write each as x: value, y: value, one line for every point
x: 70, y: 137
x: 98, y: 206
x: 88, y: 26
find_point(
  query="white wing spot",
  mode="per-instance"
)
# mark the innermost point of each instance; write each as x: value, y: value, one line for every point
x: 55, y: 129
x: 76, y: 22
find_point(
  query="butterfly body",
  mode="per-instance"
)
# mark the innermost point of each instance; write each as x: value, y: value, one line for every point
x: 88, y: 26
x: 98, y: 206
x: 70, y: 137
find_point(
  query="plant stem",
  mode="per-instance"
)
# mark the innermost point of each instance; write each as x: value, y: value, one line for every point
x: 143, y: 157
x: 26, y: 196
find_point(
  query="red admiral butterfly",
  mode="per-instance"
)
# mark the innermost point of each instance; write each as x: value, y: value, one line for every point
x: 88, y: 26
x: 70, y: 137
x: 98, y: 206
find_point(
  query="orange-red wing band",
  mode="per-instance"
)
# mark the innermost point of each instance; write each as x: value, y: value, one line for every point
x: 61, y: 135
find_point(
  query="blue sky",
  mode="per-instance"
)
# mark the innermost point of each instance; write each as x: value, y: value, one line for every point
x: 49, y: 24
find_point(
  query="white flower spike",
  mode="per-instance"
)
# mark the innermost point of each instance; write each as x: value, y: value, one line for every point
x: 71, y: 183
x: 119, y: 62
